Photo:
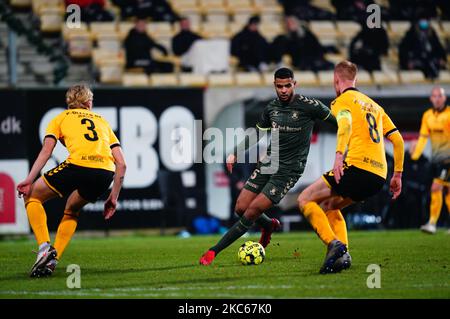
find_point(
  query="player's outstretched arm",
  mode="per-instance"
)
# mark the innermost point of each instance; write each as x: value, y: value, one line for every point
x: 111, y: 202
x: 24, y: 187
x: 420, y: 147
x: 399, y: 151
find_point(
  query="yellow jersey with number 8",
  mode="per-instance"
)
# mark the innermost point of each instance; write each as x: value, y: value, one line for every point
x: 87, y: 136
x: 370, y: 124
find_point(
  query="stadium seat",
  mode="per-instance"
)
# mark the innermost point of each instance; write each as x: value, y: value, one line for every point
x: 111, y: 73
x: 68, y: 32
x: 192, y: 79
x: 385, y: 77
x: 158, y: 29
x: 326, y: 77
x: 80, y: 45
x: 248, y: 79
x: 20, y: 4
x: 100, y: 54
x: 135, y: 79
x: 101, y: 28
x: 241, y: 6
x: 51, y: 19
x: 444, y: 77
x: 220, y: 79
x: 347, y: 30
x: 324, y: 30
x: 412, y: 77
x: 271, y: 30
x: 111, y: 42
x: 215, y: 30
x: 397, y: 30
x: 268, y: 6
x: 364, y: 78
x: 163, y: 79
x: 446, y: 28
x: 305, y: 78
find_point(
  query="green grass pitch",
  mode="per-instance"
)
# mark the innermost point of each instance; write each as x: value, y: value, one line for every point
x: 413, y: 265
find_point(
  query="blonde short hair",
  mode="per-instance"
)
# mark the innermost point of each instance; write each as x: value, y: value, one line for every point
x: 346, y: 70
x: 78, y: 95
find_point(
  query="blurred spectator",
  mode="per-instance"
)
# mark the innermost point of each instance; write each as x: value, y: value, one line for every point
x: 367, y: 47
x: 410, y: 9
x: 250, y: 47
x: 302, y: 45
x: 138, y: 45
x: 352, y: 9
x: 444, y: 7
x: 92, y: 10
x: 421, y: 49
x: 157, y: 10
x: 303, y: 10
x: 183, y: 40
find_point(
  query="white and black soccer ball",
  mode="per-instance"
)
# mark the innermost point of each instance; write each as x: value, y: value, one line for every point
x: 251, y: 253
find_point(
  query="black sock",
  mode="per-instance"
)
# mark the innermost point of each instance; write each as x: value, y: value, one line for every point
x: 235, y: 232
x: 264, y: 221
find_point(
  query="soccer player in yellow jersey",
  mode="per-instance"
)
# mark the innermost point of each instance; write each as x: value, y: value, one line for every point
x: 436, y: 127
x: 95, y: 160
x: 358, y: 173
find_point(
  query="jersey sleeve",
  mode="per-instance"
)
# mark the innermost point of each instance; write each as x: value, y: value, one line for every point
x: 388, y: 126
x: 264, y: 120
x: 337, y: 106
x: 113, y: 140
x: 424, y: 129
x: 319, y: 110
x: 54, y: 127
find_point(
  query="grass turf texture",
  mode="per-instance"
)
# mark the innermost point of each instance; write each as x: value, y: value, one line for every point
x: 413, y: 265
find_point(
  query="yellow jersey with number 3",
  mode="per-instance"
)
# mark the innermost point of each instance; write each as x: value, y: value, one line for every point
x: 370, y: 124
x: 87, y: 136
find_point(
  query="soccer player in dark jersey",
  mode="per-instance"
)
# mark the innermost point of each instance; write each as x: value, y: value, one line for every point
x: 291, y: 119
x: 359, y: 170
x: 95, y: 160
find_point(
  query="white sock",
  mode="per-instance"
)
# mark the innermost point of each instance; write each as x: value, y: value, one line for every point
x: 43, y: 245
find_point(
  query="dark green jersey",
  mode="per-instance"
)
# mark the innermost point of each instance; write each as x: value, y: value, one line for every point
x: 293, y: 123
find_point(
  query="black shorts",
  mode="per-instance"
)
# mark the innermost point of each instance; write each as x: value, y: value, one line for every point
x: 441, y: 171
x: 356, y: 183
x: 91, y: 183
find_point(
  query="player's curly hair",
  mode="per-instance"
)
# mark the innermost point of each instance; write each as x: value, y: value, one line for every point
x: 78, y: 95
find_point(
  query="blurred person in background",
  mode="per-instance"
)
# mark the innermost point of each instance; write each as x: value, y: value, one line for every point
x: 250, y: 47
x: 420, y: 49
x: 302, y: 46
x: 138, y: 45
x: 368, y: 46
x: 436, y: 127
x: 183, y: 40
x: 157, y: 10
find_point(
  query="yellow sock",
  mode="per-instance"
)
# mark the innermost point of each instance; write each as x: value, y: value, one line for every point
x: 435, y: 206
x: 66, y: 229
x: 447, y: 200
x: 319, y: 222
x: 337, y: 223
x: 38, y: 220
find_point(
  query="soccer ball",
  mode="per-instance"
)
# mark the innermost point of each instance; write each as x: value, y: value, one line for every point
x: 251, y: 253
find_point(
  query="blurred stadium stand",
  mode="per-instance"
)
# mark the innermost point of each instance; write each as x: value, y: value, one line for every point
x: 96, y: 53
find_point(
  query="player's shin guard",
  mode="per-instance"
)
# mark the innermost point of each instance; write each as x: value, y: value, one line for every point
x: 435, y: 206
x: 338, y: 225
x: 66, y: 229
x: 234, y: 233
x: 319, y: 222
x: 38, y: 220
